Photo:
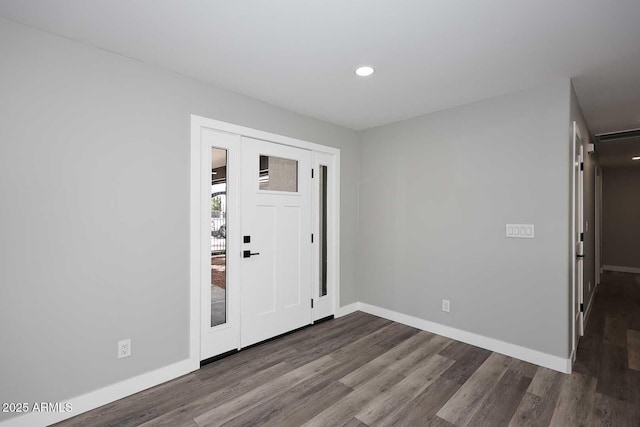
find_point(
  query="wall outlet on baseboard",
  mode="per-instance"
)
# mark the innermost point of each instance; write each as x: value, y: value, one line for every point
x: 124, y: 348
x: 446, y: 305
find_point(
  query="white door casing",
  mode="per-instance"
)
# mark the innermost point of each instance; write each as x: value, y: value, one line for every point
x: 598, y: 224
x: 324, y: 303
x: 577, y: 240
x: 276, y: 263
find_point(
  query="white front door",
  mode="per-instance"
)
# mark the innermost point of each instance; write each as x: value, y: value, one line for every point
x: 578, y: 238
x: 276, y: 240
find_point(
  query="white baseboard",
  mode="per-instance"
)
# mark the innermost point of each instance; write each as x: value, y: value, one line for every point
x: 97, y: 398
x: 522, y: 353
x: 620, y: 269
x: 347, y: 309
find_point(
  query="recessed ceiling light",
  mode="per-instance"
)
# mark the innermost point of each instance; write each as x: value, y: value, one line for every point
x: 635, y: 158
x: 364, y: 71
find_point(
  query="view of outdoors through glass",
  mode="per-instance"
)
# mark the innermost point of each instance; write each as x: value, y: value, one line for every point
x: 218, y: 237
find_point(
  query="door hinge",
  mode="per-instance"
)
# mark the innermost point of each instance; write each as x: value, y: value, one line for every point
x: 311, y: 237
x: 582, y: 237
x: 581, y: 166
x: 311, y: 302
x: 581, y: 307
x: 311, y: 173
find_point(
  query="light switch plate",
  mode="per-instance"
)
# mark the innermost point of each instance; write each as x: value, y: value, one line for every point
x: 520, y: 231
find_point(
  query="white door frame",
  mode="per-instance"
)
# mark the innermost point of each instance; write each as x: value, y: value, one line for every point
x: 197, y: 124
x: 598, y: 224
x: 577, y: 190
x: 324, y: 306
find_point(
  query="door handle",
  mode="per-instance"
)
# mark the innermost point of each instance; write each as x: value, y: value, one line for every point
x: 579, y: 256
x: 247, y: 254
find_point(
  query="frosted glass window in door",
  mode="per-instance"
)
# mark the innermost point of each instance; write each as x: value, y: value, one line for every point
x: 278, y: 174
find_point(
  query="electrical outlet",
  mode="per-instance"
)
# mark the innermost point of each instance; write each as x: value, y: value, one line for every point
x: 124, y: 348
x: 446, y: 305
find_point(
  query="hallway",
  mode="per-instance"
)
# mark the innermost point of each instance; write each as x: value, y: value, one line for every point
x: 610, y: 349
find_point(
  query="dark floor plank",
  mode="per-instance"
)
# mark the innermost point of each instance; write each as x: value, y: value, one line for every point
x: 232, y: 369
x: 354, y: 422
x: 575, y: 403
x: 547, y: 382
x: 612, y: 376
x: 502, y: 402
x: 141, y: 407
x: 462, y: 407
x: 309, y: 397
x: 218, y: 396
x: 588, y: 356
x: 633, y: 348
x: 468, y: 359
x: 254, y: 397
x: 538, y: 404
x: 398, y: 352
x: 318, y: 348
x: 295, y: 407
x: 615, y: 330
x: 523, y: 369
x: 614, y: 412
x: 423, y: 407
x: 429, y: 350
x: 387, y: 338
x: 533, y: 411
x: 350, y: 405
x: 393, y: 400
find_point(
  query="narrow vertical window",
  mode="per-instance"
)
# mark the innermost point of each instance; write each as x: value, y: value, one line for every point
x: 323, y: 229
x: 218, y: 236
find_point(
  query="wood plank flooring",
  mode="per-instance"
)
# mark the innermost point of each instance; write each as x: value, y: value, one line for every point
x: 361, y: 370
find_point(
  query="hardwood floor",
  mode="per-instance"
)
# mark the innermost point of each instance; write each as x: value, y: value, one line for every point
x: 361, y: 370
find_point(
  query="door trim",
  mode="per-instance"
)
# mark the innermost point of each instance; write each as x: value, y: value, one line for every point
x: 577, y: 322
x: 197, y: 124
x: 598, y: 226
x: 324, y: 306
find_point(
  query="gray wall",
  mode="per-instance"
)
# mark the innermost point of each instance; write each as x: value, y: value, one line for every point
x: 621, y: 217
x: 435, y: 195
x: 94, y: 179
x: 589, y: 183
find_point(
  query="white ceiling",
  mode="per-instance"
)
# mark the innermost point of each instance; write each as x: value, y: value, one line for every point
x: 429, y: 54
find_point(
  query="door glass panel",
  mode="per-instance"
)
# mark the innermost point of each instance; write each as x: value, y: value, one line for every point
x: 218, y: 236
x: 278, y: 174
x: 323, y: 230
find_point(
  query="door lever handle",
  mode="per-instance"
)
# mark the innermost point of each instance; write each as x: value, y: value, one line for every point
x: 579, y: 256
x: 247, y: 254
